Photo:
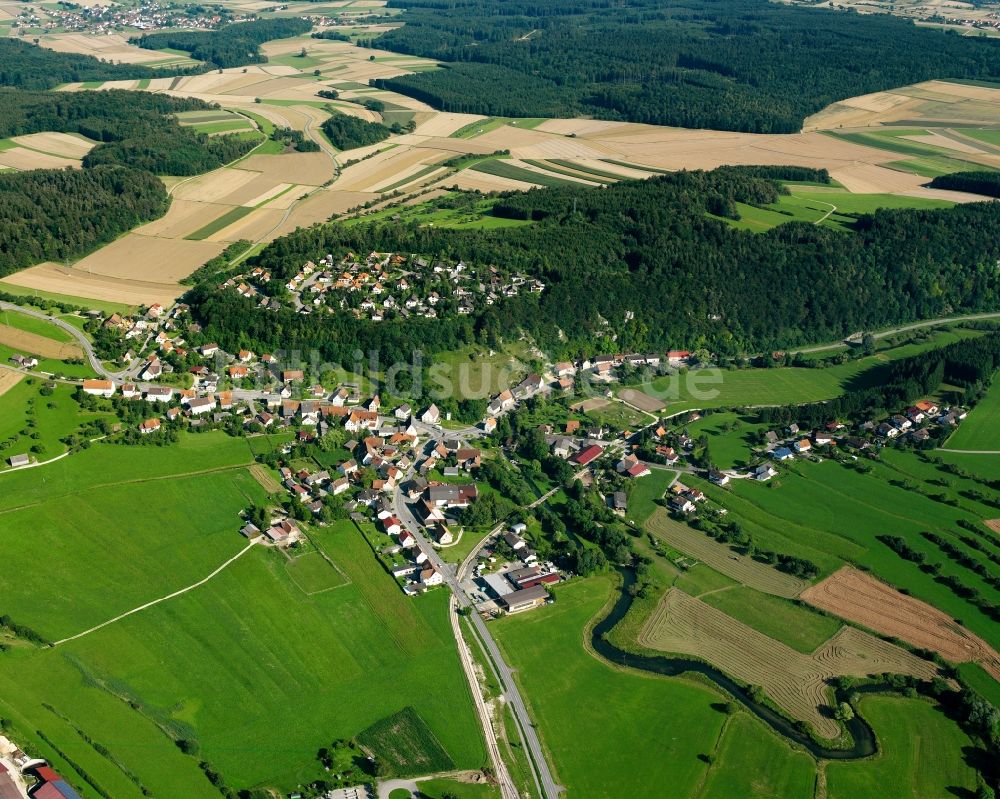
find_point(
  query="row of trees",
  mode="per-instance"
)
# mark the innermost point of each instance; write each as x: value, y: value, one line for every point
x: 987, y: 183
x: 649, y: 248
x: 233, y: 45
x: 746, y: 65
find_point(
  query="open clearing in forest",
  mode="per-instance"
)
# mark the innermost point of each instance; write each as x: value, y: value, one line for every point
x: 35, y: 344
x: 797, y: 682
x: 858, y: 597
x: 720, y: 557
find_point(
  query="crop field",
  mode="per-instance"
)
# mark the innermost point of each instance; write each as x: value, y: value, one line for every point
x: 856, y: 596
x: 831, y: 513
x: 635, y: 721
x: 315, y: 668
x: 923, y: 755
x: 505, y: 169
x: 405, y: 745
x: 797, y: 682
x: 981, y: 430
x: 642, y: 401
x: 720, y: 557
x: 9, y: 379
x: 35, y: 344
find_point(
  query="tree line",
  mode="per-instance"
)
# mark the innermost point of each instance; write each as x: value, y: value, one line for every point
x: 747, y: 65
x: 643, y: 266
x: 233, y: 45
x: 986, y: 183
x: 346, y: 132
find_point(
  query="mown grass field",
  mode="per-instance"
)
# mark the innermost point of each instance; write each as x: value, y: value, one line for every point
x: 643, y: 493
x: 253, y: 672
x: 752, y: 762
x: 921, y: 755
x: 981, y: 429
x: 649, y: 731
x: 713, y: 388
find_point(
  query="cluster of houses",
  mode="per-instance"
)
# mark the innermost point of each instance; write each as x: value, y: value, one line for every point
x: 191, y: 404
x: 383, y: 286
x: 102, y: 20
x: 22, y: 775
x: 914, y: 423
x: 281, y: 532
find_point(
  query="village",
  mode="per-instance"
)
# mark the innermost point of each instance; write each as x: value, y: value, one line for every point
x: 101, y: 20
x: 384, y: 286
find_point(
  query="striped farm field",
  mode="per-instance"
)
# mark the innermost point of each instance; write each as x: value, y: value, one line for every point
x: 797, y: 682
x: 741, y: 568
x: 504, y: 169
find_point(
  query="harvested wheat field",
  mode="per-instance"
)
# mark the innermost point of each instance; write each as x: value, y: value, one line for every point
x: 254, y: 226
x: 445, y: 124
x: 57, y: 279
x: 8, y: 379
x: 113, y: 47
x: 34, y: 344
x: 796, y: 682
x: 320, y: 207
x: 310, y: 169
x: 62, y: 144
x: 471, y: 180
x: 721, y: 558
x: 643, y: 402
x: 149, y: 258
x: 22, y: 158
x: 183, y: 218
x: 386, y: 167
x: 213, y: 186
x: 993, y: 524
x: 859, y: 597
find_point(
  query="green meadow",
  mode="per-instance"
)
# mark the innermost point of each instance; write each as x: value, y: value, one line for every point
x: 648, y: 730
x: 250, y: 670
x: 921, y: 755
x: 981, y: 429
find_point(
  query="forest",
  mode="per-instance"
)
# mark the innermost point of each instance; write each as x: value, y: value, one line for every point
x: 642, y: 266
x: 28, y: 66
x: 63, y: 214
x: 346, y: 132
x: 233, y: 45
x: 135, y: 129
x: 746, y: 65
x: 55, y: 214
x: 985, y: 183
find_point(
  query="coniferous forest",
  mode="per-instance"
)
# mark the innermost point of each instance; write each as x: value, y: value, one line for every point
x: 29, y: 66
x: 747, y: 65
x: 645, y: 265
x: 54, y: 214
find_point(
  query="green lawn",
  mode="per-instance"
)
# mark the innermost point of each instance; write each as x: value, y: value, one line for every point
x: 981, y: 429
x: 248, y: 668
x: 643, y: 493
x: 437, y: 789
x: 921, y: 755
x: 730, y: 437
x: 649, y: 731
x: 750, y: 761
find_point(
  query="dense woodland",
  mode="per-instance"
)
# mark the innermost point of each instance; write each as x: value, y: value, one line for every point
x: 748, y: 65
x: 346, y: 132
x: 985, y: 183
x: 642, y: 265
x: 53, y: 214
x: 63, y: 214
x: 134, y: 128
x: 29, y: 66
x: 233, y: 45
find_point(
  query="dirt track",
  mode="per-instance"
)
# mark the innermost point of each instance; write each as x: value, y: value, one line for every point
x: 797, y: 682
x: 852, y: 594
